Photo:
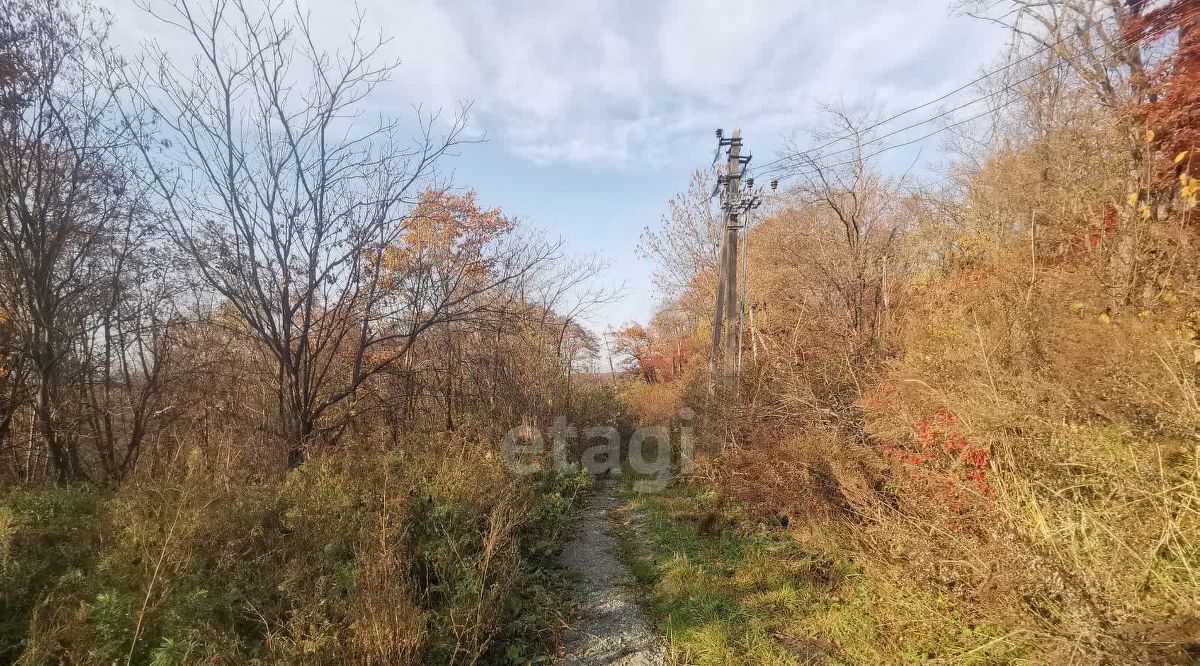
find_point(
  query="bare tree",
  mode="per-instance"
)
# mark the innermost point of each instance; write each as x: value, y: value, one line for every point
x: 1090, y: 36
x: 128, y: 350
x: 854, y: 226
x: 290, y: 203
x: 72, y: 223
x: 688, y: 242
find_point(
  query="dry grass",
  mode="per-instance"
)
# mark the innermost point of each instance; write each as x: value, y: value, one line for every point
x: 429, y: 554
x: 1029, y: 464
x: 1007, y: 452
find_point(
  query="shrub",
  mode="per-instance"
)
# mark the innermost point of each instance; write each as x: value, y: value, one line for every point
x: 653, y: 404
x: 47, y: 537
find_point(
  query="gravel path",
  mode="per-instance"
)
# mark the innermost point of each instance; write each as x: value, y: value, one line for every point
x: 613, y: 629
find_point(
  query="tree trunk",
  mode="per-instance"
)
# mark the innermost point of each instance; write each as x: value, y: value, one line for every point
x: 62, y: 454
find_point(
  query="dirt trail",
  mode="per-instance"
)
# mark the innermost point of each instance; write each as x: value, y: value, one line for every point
x: 613, y: 629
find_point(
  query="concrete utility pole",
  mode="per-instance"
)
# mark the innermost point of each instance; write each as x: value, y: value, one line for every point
x: 729, y: 308
x: 732, y: 205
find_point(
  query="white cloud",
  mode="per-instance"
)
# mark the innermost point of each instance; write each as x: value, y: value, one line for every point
x: 618, y: 82
x: 707, y: 45
x: 434, y: 58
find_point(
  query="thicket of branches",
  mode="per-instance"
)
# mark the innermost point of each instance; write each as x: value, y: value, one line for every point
x: 216, y: 240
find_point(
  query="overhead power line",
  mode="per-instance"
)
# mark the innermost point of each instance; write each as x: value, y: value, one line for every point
x: 792, y: 158
x: 923, y: 105
x: 901, y: 145
x: 778, y: 166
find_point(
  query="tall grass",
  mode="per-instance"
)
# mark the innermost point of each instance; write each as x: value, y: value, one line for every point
x: 432, y: 554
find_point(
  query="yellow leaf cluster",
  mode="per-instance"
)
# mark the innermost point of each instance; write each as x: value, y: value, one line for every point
x: 1189, y: 189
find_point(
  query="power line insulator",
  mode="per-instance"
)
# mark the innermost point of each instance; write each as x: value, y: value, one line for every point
x: 774, y: 184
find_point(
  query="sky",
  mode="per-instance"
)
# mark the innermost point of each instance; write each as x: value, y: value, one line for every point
x: 595, y: 112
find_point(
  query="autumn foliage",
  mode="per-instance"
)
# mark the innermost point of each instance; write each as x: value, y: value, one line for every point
x: 984, y: 394
x: 659, y: 352
x: 256, y: 356
x: 1172, y: 111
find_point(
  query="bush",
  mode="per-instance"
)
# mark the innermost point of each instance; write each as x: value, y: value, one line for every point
x: 1056, y: 435
x: 653, y: 404
x: 1022, y: 423
x: 48, y: 537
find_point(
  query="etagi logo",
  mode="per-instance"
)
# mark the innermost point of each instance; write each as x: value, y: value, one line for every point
x: 648, y: 454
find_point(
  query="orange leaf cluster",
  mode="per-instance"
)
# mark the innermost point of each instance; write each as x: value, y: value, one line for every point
x: 1172, y: 112
x: 446, y: 227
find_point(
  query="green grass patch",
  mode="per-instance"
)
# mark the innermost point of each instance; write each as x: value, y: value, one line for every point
x: 739, y: 594
x: 728, y: 596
